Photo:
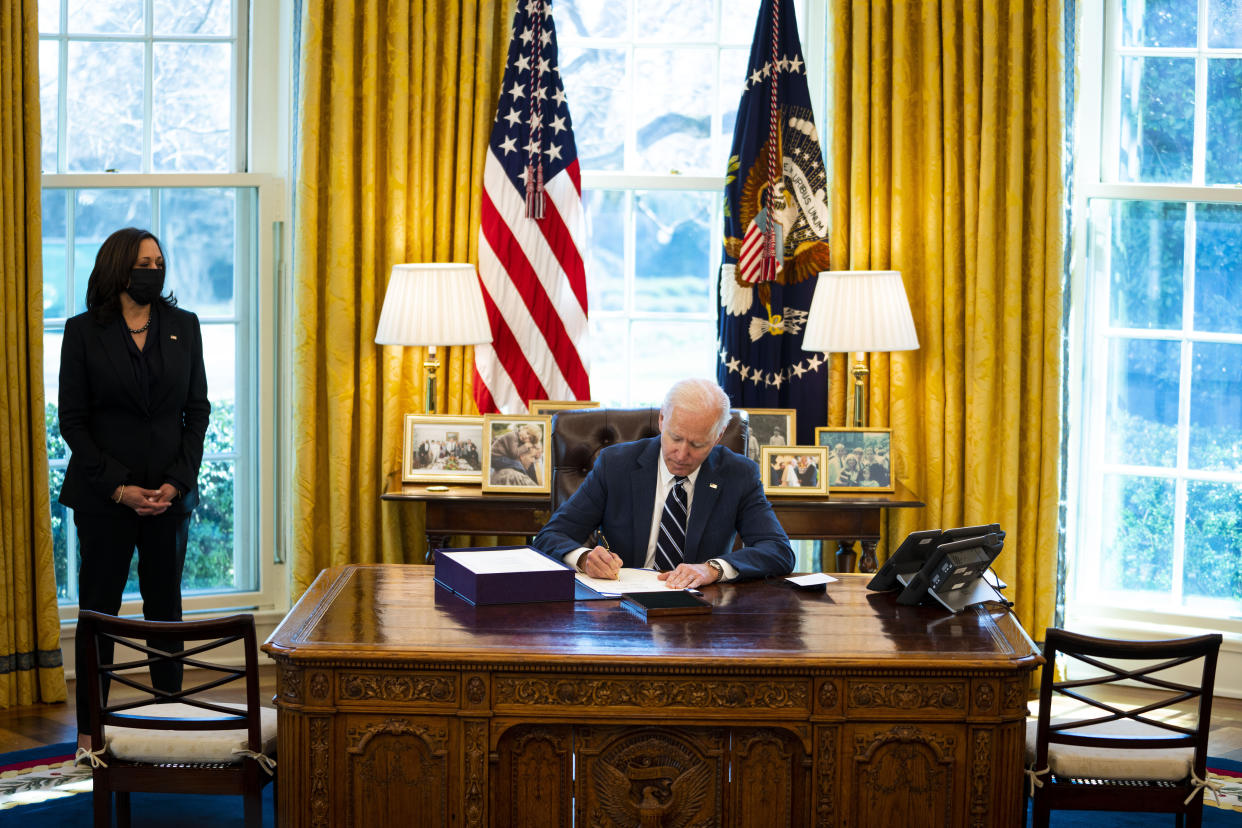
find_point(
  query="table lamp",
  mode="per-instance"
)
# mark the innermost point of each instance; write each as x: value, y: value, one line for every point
x: 859, y: 311
x: 433, y: 304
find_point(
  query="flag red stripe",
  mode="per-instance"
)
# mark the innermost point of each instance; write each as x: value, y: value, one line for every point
x: 557, y: 234
x: 483, y: 397
x: 496, y: 230
x: 509, y: 355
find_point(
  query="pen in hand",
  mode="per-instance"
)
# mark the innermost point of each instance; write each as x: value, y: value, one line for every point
x: 602, y: 562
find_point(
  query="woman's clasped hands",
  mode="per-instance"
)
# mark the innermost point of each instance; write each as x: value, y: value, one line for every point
x: 146, y: 501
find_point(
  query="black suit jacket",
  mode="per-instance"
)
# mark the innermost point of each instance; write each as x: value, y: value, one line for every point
x: 114, y: 438
x: 618, y: 496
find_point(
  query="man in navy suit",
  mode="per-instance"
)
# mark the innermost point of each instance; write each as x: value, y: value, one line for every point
x: 626, y: 492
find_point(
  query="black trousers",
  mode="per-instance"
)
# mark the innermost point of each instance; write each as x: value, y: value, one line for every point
x: 106, y: 545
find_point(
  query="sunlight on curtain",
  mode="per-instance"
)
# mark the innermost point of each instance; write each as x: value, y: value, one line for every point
x: 945, y: 148
x: 395, y: 108
x: 30, y: 659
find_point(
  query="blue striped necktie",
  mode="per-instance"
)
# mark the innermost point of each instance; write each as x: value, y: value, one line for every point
x: 672, y: 538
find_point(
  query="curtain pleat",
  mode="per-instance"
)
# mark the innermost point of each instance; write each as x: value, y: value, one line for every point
x: 30, y: 659
x: 395, y: 107
x: 945, y: 149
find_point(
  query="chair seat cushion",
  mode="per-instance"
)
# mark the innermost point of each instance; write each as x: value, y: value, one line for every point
x: 191, y: 746
x: 1167, y: 765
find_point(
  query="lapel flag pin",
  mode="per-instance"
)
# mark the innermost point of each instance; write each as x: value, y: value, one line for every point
x: 172, y: 336
x: 712, y: 485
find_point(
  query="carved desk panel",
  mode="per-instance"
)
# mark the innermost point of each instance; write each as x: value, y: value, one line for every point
x: 401, y: 704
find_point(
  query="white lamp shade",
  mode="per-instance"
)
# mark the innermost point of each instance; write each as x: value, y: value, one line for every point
x: 433, y: 304
x: 859, y: 310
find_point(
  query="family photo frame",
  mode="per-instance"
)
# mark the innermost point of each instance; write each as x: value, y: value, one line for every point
x: 770, y: 427
x: 442, y: 448
x: 859, y: 459
x: 516, y: 454
x: 794, y: 470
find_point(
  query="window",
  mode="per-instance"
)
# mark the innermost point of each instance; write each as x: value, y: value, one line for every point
x: 143, y: 106
x: 653, y: 91
x: 1156, y: 486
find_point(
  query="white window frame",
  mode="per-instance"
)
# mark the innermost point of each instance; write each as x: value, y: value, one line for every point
x: 264, y: 310
x: 1088, y: 609
x: 813, y: 35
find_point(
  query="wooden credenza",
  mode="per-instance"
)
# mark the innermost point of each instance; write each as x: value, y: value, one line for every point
x: 844, y: 517
x: 401, y: 704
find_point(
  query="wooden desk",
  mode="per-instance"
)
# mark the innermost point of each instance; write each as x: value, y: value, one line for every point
x: 399, y: 703
x: 845, y: 518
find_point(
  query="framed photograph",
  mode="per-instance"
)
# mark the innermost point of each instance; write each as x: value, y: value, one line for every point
x: 442, y: 448
x: 550, y: 407
x: 859, y: 459
x: 516, y: 455
x: 770, y: 427
x: 794, y: 470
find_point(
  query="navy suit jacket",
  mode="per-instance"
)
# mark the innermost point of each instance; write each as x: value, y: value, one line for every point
x: 618, y: 496
x: 114, y: 438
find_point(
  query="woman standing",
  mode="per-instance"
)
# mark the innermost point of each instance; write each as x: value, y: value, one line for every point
x: 133, y: 410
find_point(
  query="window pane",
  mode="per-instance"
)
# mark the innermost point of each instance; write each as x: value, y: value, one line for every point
x: 1157, y: 23
x: 1225, y: 24
x: 209, y: 561
x: 609, y: 351
x: 1218, y: 252
x: 732, y: 79
x: 1141, y: 420
x: 61, y: 524
x: 200, y: 17
x: 1216, y: 408
x: 1137, y: 542
x: 104, y: 16
x: 591, y: 18
x: 672, y: 248
x: 49, y: 84
x: 595, y: 87
x: 55, y: 255
x: 1224, y: 116
x: 664, y: 352
x: 1213, y: 567
x: 198, y: 229
x: 97, y: 214
x: 49, y: 16
x: 1148, y: 243
x: 674, y: 124
x: 605, y: 221
x: 220, y: 361
x: 1157, y: 119
x: 190, y: 124
x: 104, y: 109
x: 739, y: 20
x: 685, y: 20
x: 56, y: 447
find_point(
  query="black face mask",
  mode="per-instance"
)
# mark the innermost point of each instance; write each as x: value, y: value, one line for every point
x: 145, y: 284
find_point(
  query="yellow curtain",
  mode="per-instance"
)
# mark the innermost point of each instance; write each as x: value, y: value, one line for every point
x: 395, y: 108
x: 30, y: 660
x: 945, y: 148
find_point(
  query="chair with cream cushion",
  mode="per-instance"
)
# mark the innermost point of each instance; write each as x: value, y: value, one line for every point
x: 185, y: 742
x: 1108, y: 756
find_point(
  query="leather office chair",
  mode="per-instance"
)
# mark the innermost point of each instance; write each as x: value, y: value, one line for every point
x: 1113, y: 757
x: 578, y: 435
x: 184, y: 742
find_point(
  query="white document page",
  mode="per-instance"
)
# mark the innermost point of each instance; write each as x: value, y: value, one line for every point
x: 490, y: 561
x: 628, y: 580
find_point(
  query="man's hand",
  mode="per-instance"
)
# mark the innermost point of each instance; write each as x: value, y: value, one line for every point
x: 600, y: 563
x: 688, y: 575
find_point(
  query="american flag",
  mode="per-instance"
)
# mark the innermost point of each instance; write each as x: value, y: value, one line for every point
x: 531, y: 232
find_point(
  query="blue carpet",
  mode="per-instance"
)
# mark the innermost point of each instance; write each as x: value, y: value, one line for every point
x: 146, y: 810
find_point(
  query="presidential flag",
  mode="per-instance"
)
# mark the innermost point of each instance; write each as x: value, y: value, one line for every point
x: 775, y: 233
x: 531, y: 232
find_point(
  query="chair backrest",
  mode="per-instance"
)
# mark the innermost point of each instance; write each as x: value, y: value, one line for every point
x: 578, y: 435
x: 202, y: 640
x: 1145, y: 662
